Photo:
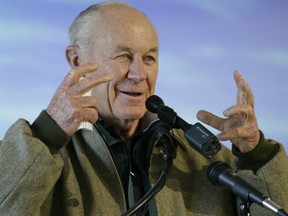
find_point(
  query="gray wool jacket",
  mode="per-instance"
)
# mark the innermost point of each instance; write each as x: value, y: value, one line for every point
x: 54, y: 175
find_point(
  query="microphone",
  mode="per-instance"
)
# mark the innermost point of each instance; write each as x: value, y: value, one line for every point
x: 199, y: 137
x: 220, y: 173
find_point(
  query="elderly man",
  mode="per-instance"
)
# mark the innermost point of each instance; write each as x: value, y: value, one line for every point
x: 51, y: 167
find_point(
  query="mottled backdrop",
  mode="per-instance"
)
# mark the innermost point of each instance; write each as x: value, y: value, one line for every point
x: 201, y: 44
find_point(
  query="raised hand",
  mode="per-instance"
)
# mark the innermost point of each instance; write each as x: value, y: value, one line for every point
x: 68, y: 107
x: 240, y: 123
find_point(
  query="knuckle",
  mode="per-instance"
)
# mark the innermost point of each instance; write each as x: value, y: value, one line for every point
x: 70, y: 78
x: 91, y: 115
x: 83, y: 81
x: 249, y: 109
x: 77, y: 115
x: 240, y: 131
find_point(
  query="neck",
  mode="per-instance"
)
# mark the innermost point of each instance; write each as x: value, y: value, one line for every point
x: 124, y: 128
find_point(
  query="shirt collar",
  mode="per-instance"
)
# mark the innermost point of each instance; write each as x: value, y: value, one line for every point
x: 147, y: 120
x: 112, y: 138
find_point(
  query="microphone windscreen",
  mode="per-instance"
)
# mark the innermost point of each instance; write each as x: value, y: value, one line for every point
x: 215, y: 169
x: 154, y: 103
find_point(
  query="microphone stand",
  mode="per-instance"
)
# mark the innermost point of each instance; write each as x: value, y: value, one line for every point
x: 245, y: 209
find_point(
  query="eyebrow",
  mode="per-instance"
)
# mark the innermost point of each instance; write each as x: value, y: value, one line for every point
x: 128, y: 49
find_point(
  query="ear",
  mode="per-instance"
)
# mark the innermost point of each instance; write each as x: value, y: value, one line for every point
x: 73, y: 55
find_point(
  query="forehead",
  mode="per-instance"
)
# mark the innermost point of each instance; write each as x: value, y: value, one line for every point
x: 125, y: 26
x: 120, y: 12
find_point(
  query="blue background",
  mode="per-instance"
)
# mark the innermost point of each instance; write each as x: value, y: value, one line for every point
x: 201, y: 44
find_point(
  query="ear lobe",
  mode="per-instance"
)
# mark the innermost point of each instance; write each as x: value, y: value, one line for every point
x: 73, y: 55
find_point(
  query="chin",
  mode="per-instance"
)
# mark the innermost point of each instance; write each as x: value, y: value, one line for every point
x: 132, y: 114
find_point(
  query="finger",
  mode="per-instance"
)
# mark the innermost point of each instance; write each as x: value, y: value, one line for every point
x: 244, y: 92
x: 239, y: 82
x: 233, y: 122
x: 74, y: 75
x: 235, y: 132
x: 88, y: 102
x: 85, y: 84
x: 249, y: 97
x: 210, y: 119
x: 90, y: 115
x: 245, y: 111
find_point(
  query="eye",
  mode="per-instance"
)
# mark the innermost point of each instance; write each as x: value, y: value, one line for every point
x: 149, y: 59
x: 124, y: 57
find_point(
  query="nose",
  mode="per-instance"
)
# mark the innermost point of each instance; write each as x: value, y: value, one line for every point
x: 136, y: 71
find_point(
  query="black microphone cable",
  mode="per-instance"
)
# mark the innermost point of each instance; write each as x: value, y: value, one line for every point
x: 168, y: 149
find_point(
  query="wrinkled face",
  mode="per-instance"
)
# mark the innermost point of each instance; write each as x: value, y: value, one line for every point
x: 128, y: 49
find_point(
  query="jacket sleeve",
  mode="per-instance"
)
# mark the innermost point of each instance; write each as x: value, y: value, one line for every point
x: 270, y: 178
x: 29, y: 168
